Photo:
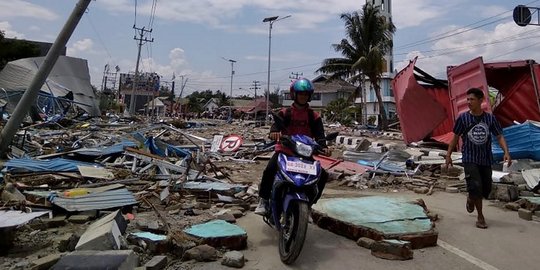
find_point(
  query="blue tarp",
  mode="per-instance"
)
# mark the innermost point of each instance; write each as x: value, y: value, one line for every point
x: 523, y: 142
x: 23, y: 165
x: 169, y: 151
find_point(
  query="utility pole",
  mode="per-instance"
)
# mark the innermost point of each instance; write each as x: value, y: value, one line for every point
x: 232, y: 75
x: 256, y: 86
x: 142, y: 40
x: 296, y: 75
x: 30, y: 95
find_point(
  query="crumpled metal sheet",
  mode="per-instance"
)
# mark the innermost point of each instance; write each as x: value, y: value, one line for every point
x: 23, y: 165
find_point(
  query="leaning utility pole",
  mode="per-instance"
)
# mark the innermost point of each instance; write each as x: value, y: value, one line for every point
x: 142, y: 40
x: 30, y: 95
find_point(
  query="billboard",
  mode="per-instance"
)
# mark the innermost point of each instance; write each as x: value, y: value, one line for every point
x: 147, y: 84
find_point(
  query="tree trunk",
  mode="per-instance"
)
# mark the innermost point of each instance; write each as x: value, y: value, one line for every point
x: 383, y: 120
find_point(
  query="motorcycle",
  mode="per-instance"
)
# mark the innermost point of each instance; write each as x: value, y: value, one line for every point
x: 294, y: 192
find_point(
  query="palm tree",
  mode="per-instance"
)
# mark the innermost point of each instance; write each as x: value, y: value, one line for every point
x: 368, y: 39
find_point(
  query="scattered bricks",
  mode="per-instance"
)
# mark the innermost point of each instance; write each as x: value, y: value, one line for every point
x: 227, y: 217
x: 67, y: 242
x: 178, y: 249
x: 392, y: 250
x: 79, y: 219
x: 512, y: 206
x: 155, y: 243
x: 452, y: 190
x: 505, y: 193
x: 525, y: 214
x: 240, y: 194
x: 233, y: 259
x: 156, y: 263
x: 237, y: 213
x: 55, y: 222
x: 421, y: 190
x: 202, y: 253
x: 526, y: 194
x: 45, y: 262
x: 95, y: 259
x: 365, y: 242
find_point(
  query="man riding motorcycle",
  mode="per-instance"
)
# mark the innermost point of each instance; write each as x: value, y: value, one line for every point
x: 297, y: 119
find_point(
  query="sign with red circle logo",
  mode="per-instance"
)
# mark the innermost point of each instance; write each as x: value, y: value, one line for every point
x: 231, y: 143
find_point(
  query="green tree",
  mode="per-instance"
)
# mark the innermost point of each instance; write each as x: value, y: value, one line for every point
x: 368, y: 39
x: 14, y: 49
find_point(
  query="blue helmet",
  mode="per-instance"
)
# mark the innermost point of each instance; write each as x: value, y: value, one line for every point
x: 301, y: 85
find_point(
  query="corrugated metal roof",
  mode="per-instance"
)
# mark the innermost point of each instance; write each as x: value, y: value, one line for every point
x: 97, y: 201
x: 15, y: 218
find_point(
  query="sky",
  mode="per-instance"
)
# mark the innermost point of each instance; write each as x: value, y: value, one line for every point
x: 194, y: 39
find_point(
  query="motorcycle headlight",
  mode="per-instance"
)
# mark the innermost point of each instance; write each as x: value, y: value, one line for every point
x: 303, y: 149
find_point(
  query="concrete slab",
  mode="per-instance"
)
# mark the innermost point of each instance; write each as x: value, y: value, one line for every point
x: 377, y: 218
x: 93, y: 259
x: 103, y: 234
x: 219, y: 233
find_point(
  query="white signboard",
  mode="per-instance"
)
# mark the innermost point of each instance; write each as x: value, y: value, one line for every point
x: 216, y: 143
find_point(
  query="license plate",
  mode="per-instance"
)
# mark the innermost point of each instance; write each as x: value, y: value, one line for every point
x: 301, y: 167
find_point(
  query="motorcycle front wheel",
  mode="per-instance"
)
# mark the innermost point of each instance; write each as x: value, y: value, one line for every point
x: 293, y: 231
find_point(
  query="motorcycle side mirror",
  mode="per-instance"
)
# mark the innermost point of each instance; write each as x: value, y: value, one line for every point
x: 332, y: 136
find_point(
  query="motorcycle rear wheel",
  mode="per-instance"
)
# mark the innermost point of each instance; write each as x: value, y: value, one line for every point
x: 293, y: 231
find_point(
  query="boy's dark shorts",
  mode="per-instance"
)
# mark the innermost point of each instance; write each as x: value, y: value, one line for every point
x: 478, y: 179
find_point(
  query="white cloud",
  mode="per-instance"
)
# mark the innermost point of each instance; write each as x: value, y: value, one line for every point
x: 413, y: 13
x: 19, y: 8
x: 81, y: 46
x: 9, y: 32
x: 506, y: 42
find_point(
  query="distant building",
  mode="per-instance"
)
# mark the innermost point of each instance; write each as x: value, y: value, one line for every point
x: 325, y: 92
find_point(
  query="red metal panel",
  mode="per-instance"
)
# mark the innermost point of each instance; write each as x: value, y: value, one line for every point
x: 463, y: 77
x: 520, y: 101
x: 419, y: 113
x: 442, y: 96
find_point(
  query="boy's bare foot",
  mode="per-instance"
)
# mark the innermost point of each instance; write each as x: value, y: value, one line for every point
x: 481, y: 225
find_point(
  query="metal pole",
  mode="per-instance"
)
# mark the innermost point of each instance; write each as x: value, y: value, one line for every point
x: 29, y: 96
x: 268, y: 75
x: 135, y: 81
x: 232, y: 74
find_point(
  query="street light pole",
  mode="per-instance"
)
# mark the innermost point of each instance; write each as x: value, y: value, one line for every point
x: 271, y: 21
x: 232, y: 74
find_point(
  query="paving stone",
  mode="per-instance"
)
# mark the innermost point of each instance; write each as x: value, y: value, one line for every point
x: 365, y: 242
x: 392, y: 250
x: 512, y: 206
x: 227, y: 217
x: 95, y: 259
x: 103, y: 234
x: 219, y: 233
x: 525, y: 214
x: 377, y: 218
x: 202, y: 253
x: 156, y: 263
x: 233, y: 259
x: 45, y: 262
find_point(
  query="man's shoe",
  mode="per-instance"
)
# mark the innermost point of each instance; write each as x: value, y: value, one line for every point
x: 261, y: 208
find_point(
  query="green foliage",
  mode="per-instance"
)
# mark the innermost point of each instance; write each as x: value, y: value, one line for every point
x: 341, y: 111
x: 15, y: 49
x: 368, y: 39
